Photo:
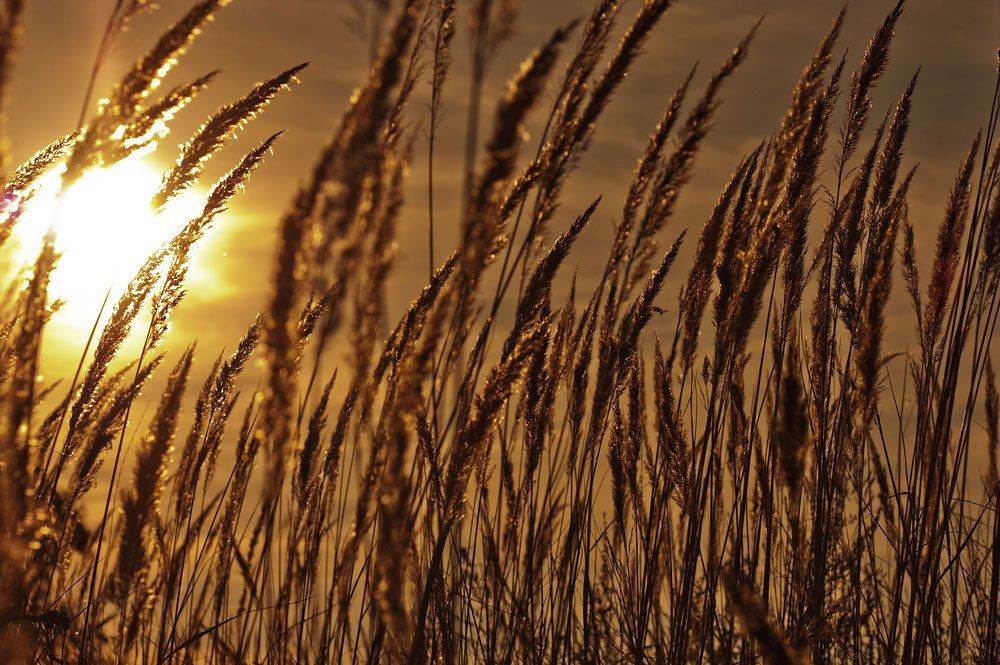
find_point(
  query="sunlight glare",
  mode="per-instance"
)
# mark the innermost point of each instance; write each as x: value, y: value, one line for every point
x: 105, y: 230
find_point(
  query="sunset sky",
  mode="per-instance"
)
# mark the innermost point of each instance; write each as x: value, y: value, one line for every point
x: 954, y: 44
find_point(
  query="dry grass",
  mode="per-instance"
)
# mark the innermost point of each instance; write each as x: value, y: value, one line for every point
x: 561, y: 489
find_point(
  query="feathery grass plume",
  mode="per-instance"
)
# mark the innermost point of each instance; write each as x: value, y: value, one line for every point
x: 641, y: 311
x: 8, y: 220
x: 482, y: 229
x: 222, y: 395
x: 310, y: 446
x: 616, y: 464
x: 594, y: 40
x: 791, y: 437
x: 125, y: 104
x: 352, y: 191
x: 213, y: 407
x: 403, y: 336
x: 736, y: 317
x: 870, y: 70
x: 107, y: 424
x: 370, y: 310
x: 676, y: 171
x: 947, y: 250
x: 887, y: 167
x: 646, y: 168
x: 580, y: 377
x: 490, y: 24
x: 310, y: 315
x: 16, y: 184
x: 233, y: 366
x: 638, y: 438
x: 445, y: 31
x: 335, y: 445
x: 111, y: 384
x: 342, y: 176
x: 628, y: 50
x: 430, y: 451
x: 531, y: 412
x: 732, y: 252
x: 750, y: 252
x: 697, y: 287
x: 188, y: 468
x: 11, y: 12
x: 481, y: 233
x: 911, y: 275
x: 871, y: 323
x: 808, y: 152
x: 885, y: 174
x: 671, y: 439
x: 121, y: 16
x: 753, y: 616
x: 279, y: 341
x: 539, y: 398
x: 395, y: 546
x: 246, y: 452
x: 804, y: 94
x: 477, y: 431
x: 140, y: 504
x: 848, y: 228
x: 798, y: 200
x: 169, y: 295
x: 575, y: 123
x: 172, y: 291
x: 50, y: 424
x: 992, y: 428
x: 989, y: 265
x: 443, y: 34
x: 115, y: 331
x: 19, y: 399
x: 197, y: 444
x: 152, y: 124
x: 210, y: 138
x: 535, y: 302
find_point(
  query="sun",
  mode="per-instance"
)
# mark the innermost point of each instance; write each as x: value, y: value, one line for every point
x: 105, y: 229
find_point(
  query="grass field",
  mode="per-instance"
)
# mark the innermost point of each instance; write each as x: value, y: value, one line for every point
x: 515, y: 470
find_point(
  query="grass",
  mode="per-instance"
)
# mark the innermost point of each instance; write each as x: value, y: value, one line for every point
x: 558, y: 485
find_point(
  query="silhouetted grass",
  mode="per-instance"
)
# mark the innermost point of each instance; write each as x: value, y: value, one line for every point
x: 564, y: 488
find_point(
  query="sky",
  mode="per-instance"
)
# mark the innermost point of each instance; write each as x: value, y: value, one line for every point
x: 953, y: 43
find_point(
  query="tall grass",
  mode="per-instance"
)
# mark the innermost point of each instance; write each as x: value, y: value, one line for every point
x: 564, y: 487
